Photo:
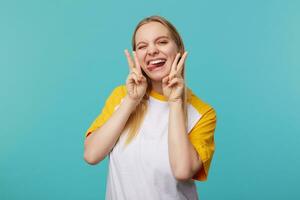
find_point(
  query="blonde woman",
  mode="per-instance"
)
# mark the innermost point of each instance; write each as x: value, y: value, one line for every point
x: 158, y: 134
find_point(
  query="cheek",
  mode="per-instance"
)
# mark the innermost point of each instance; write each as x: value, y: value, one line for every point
x: 171, y: 50
x: 140, y: 56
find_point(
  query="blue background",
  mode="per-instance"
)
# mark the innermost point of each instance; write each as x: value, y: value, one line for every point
x: 61, y: 59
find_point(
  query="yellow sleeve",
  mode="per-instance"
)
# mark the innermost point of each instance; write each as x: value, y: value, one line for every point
x: 111, y: 103
x: 202, y: 138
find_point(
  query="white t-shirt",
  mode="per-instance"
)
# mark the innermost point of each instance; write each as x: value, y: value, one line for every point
x: 141, y: 170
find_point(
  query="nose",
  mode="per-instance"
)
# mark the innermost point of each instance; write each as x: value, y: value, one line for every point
x: 152, y: 50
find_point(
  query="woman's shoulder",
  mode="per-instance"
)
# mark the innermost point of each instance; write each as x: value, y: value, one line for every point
x: 117, y: 94
x: 198, y: 103
x: 119, y: 91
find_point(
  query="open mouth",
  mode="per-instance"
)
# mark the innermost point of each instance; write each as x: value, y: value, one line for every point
x: 157, y: 64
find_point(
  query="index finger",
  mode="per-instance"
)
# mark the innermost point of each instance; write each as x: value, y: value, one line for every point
x: 129, y: 60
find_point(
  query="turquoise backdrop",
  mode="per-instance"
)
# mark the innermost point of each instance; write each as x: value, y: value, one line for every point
x: 59, y: 61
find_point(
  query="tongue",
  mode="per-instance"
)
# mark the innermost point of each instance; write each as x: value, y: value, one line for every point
x: 153, y: 66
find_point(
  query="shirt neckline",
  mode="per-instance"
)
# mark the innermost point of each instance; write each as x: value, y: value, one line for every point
x: 158, y: 96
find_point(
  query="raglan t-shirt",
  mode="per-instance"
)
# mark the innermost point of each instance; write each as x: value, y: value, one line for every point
x: 141, y: 170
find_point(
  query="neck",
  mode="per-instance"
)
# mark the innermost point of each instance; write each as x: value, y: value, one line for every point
x: 157, y: 87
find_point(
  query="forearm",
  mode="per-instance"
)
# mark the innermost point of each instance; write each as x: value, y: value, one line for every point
x: 101, y: 141
x: 179, y: 144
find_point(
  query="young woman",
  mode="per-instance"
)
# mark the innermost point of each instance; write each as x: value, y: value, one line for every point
x: 158, y: 134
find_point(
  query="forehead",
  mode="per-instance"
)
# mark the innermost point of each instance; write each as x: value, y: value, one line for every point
x: 151, y: 31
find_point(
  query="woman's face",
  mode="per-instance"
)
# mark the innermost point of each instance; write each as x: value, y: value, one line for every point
x: 155, y: 50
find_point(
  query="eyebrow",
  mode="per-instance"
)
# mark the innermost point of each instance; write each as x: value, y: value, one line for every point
x: 155, y: 39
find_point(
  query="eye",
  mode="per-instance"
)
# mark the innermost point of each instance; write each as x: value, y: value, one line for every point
x: 163, y: 42
x: 141, y: 47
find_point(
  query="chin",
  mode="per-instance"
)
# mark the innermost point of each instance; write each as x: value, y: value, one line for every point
x: 156, y: 78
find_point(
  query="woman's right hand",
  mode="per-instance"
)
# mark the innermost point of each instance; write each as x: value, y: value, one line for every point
x: 136, y: 83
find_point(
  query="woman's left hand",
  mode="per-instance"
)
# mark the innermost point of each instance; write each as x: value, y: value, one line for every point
x: 173, y: 84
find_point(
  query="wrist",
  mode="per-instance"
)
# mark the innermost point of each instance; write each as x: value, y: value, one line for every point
x: 178, y: 100
x: 132, y: 102
x: 175, y: 101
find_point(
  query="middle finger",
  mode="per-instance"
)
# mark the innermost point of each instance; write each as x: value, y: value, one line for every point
x: 180, y: 64
x: 129, y: 60
x: 173, y: 68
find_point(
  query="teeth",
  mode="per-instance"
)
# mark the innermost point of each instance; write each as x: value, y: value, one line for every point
x: 156, y: 61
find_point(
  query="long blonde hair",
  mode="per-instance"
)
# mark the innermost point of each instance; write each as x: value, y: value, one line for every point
x: 136, y: 117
